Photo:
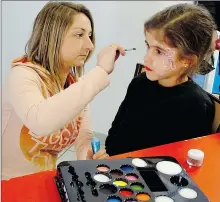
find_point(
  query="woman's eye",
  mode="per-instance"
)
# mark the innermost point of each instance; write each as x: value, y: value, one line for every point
x: 79, y: 35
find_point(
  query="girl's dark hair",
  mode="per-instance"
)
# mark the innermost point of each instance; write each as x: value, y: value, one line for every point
x: 187, y: 27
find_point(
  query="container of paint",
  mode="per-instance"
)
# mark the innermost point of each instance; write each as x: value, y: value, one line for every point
x: 95, y: 143
x: 195, y: 157
x: 150, y: 179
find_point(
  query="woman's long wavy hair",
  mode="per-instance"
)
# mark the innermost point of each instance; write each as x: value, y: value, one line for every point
x: 44, y: 46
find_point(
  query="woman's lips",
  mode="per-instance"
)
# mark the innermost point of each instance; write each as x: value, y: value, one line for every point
x: 147, y: 68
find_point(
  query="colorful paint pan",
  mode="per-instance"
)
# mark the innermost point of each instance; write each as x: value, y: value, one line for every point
x: 163, y: 199
x: 103, y: 168
x: 131, y: 177
x: 114, y: 199
x: 126, y: 192
x: 102, y: 177
x: 108, y: 189
x: 139, y: 162
x: 131, y: 200
x: 188, y: 193
x: 143, y: 196
x: 116, y: 173
x: 137, y: 186
x: 120, y: 182
x: 179, y: 181
x: 169, y: 168
x: 126, y: 168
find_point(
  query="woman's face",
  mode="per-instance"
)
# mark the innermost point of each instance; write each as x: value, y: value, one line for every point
x: 77, y: 42
x: 161, y: 61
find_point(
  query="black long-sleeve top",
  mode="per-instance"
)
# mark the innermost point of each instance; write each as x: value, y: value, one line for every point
x: 152, y: 115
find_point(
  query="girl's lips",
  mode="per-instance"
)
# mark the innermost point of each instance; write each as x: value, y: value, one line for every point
x: 147, y: 68
x: 217, y: 44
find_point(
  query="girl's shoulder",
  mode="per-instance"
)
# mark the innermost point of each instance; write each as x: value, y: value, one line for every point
x: 201, y: 99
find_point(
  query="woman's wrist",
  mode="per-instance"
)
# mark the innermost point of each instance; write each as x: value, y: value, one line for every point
x: 100, y: 67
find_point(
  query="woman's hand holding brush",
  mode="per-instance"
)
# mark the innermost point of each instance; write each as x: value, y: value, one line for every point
x: 108, y: 56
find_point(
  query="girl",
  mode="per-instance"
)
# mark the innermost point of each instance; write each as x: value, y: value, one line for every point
x: 163, y: 104
x: 46, y: 110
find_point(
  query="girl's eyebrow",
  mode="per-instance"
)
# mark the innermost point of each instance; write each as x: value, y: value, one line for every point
x: 158, y: 47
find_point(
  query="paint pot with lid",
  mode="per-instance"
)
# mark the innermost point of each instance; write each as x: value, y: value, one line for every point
x: 195, y: 157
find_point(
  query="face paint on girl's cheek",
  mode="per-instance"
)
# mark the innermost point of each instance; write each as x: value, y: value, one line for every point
x: 162, y: 62
x: 168, y: 62
x: 168, y: 57
x: 161, y: 72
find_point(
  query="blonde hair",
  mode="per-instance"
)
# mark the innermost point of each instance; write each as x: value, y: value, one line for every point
x: 44, y: 46
x: 187, y: 27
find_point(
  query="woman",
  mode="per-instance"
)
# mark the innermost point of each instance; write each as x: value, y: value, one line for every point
x: 46, y: 109
x: 163, y: 104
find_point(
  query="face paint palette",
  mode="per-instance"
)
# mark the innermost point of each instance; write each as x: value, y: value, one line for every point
x: 152, y: 179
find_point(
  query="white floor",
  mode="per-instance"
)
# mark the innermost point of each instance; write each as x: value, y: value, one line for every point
x: 70, y: 154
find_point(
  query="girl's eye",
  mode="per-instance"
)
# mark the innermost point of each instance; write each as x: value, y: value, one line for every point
x: 159, y: 52
x: 147, y: 47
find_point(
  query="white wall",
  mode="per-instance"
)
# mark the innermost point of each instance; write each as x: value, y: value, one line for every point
x: 115, y: 21
x: 211, y: 76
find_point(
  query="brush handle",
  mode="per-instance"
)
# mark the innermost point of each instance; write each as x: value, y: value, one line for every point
x: 117, y: 55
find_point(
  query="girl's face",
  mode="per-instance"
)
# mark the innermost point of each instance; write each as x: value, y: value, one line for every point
x: 161, y: 61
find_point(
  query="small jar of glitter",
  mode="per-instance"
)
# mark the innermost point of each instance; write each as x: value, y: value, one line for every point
x: 195, y: 157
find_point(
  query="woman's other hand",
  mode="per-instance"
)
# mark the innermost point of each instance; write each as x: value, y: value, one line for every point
x: 101, y: 154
